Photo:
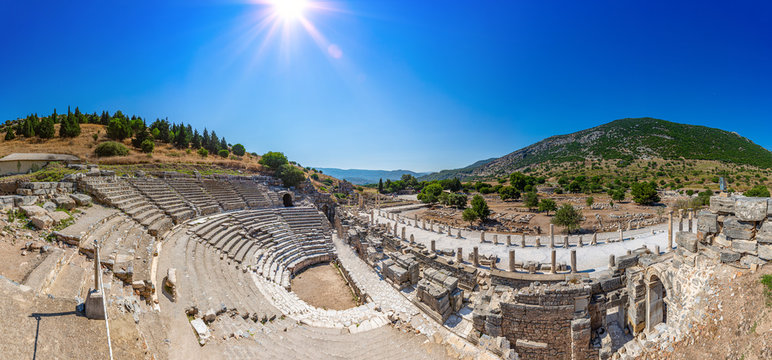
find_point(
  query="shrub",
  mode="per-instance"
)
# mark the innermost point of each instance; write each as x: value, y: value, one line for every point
x: 315, y: 177
x: 223, y: 153
x: 10, y: 134
x: 290, y: 175
x: 111, y: 148
x: 239, y: 150
x: 758, y: 191
x: 147, y: 146
x: 273, y: 160
x: 203, y: 152
x: 590, y: 200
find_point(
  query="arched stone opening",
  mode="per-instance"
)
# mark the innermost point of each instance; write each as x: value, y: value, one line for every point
x: 287, y: 200
x: 656, y: 306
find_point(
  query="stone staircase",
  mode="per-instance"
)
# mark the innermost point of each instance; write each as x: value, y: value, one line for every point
x: 119, y: 193
x: 194, y: 193
x: 164, y: 197
x: 224, y: 193
x: 255, y: 195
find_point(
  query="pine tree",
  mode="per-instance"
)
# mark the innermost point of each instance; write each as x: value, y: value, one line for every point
x: 380, y: 186
x: 46, y: 128
x: 10, y: 134
x: 223, y: 144
x: 196, y: 141
x: 70, y: 126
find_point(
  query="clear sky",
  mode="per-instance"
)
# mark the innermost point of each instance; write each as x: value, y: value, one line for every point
x: 389, y: 84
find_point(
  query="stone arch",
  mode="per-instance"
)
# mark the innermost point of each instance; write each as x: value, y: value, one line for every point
x: 286, y: 199
x: 657, y: 288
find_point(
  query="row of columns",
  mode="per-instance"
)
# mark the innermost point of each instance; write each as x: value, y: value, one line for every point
x: 476, y: 259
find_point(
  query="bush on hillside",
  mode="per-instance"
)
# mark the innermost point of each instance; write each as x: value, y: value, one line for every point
x: 111, y: 148
x: 290, y: 175
x: 273, y: 160
x: 239, y: 150
x: 147, y: 146
x: 10, y: 134
x: 758, y: 191
x: 203, y: 152
x: 223, y: 153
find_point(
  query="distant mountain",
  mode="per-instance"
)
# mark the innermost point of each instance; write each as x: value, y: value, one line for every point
x: 625, y: 139
x: 362, y: 177
x: 461, y: 173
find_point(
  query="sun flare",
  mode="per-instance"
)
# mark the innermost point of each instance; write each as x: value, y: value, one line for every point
x: 290, y: 9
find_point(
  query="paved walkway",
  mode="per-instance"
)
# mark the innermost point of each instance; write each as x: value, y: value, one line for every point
x: 592, y: 259
x: 391, y: 301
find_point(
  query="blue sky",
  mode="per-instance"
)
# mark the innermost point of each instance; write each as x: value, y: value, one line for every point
x: 419, y: 85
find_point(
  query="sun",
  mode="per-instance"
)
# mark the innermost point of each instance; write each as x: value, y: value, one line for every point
x: 289, y: 9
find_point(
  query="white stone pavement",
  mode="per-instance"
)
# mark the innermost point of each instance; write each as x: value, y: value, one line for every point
x: 391, y: 301
x: 592, y: 259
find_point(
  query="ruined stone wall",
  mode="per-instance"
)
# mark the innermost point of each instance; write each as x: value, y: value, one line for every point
x: 466, y: 275
x: 549, y: 322
x: 736, y: 230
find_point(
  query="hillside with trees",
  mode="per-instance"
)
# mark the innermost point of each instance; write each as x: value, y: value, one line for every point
x: 625, y: 141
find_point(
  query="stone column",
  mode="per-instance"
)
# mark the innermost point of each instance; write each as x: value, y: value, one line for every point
x: 565, y: 242
x: 450, y: 231
x: 509, y: 240
x: 97, y: 267
x: 460, y: 255
x: 553, y: 269
x: 594, y: 240
x: 512, y: 260
x: 680, y: 219
x: 431, y: 226
x: 403, y: 233
x: 495, y: 239
x: 522, y: 240
x: 412, y: 239
x: 482, y: 236
x: 580, y: 242
x: 670, y: 230
x: 573, y: 261
x: 552, y: 236
x: 475, y: 257
x: 611, y: 261
x: 459, y: 233
x: 395, y: 228
x: 493, y: 262
x: 538, y: 241
x: 621, y: 235
x: 423, y: 222
x: 691, y: 217
x: 656, y: 249
x: 433, y: 246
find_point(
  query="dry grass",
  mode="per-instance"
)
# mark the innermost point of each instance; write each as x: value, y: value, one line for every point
x: 83, y: 147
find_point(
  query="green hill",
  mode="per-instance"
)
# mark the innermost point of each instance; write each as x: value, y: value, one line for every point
x: 626, y: 139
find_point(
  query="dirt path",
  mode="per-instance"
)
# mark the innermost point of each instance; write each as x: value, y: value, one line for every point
x: 322, y: 286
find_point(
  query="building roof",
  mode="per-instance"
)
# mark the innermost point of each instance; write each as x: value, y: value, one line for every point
x: 39, y: 157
